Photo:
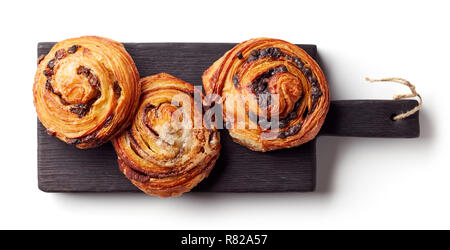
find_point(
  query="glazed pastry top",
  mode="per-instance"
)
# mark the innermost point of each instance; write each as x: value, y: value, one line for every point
x: 164, y: 152
x: 274, y: 94
x: 86, y: 90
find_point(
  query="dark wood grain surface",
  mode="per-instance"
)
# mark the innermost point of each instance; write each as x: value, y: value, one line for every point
x: 64, y: 168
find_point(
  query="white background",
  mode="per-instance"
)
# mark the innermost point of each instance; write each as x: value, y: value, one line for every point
x: 362, y: 183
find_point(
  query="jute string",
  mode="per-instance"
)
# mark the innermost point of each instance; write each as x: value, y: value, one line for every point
x: 402, y: 96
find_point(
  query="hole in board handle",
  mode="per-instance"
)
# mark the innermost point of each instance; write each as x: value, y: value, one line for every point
x: 392, y: 117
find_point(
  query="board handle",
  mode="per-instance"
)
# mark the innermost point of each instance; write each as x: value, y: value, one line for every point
x: 371, y: 118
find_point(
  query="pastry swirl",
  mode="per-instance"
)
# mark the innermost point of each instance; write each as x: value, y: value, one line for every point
x: 265, y: 80
x: 86, y: 90
x: 163, y: 153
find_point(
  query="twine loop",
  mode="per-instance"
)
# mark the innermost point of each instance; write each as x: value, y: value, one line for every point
x: 402, y: 96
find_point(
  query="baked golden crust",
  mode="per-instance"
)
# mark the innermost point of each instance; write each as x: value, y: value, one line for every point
x: 86, y: 90
x: 262, y: 81
x: 164, y: 153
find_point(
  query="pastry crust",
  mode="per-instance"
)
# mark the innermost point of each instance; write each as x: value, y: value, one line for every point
x: 164, y: 153
x: 86, y: 90
x: 263, y: 80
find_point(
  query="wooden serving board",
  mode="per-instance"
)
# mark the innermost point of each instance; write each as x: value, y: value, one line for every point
x: 64, y: 168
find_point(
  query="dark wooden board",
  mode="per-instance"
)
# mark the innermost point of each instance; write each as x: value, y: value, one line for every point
x: 371, y: 118
x: 64, y: 168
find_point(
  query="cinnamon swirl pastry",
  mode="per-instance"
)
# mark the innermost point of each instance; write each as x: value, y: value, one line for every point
x: 167, y: 150
x: 86, y: 90
x: 274, y: 94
